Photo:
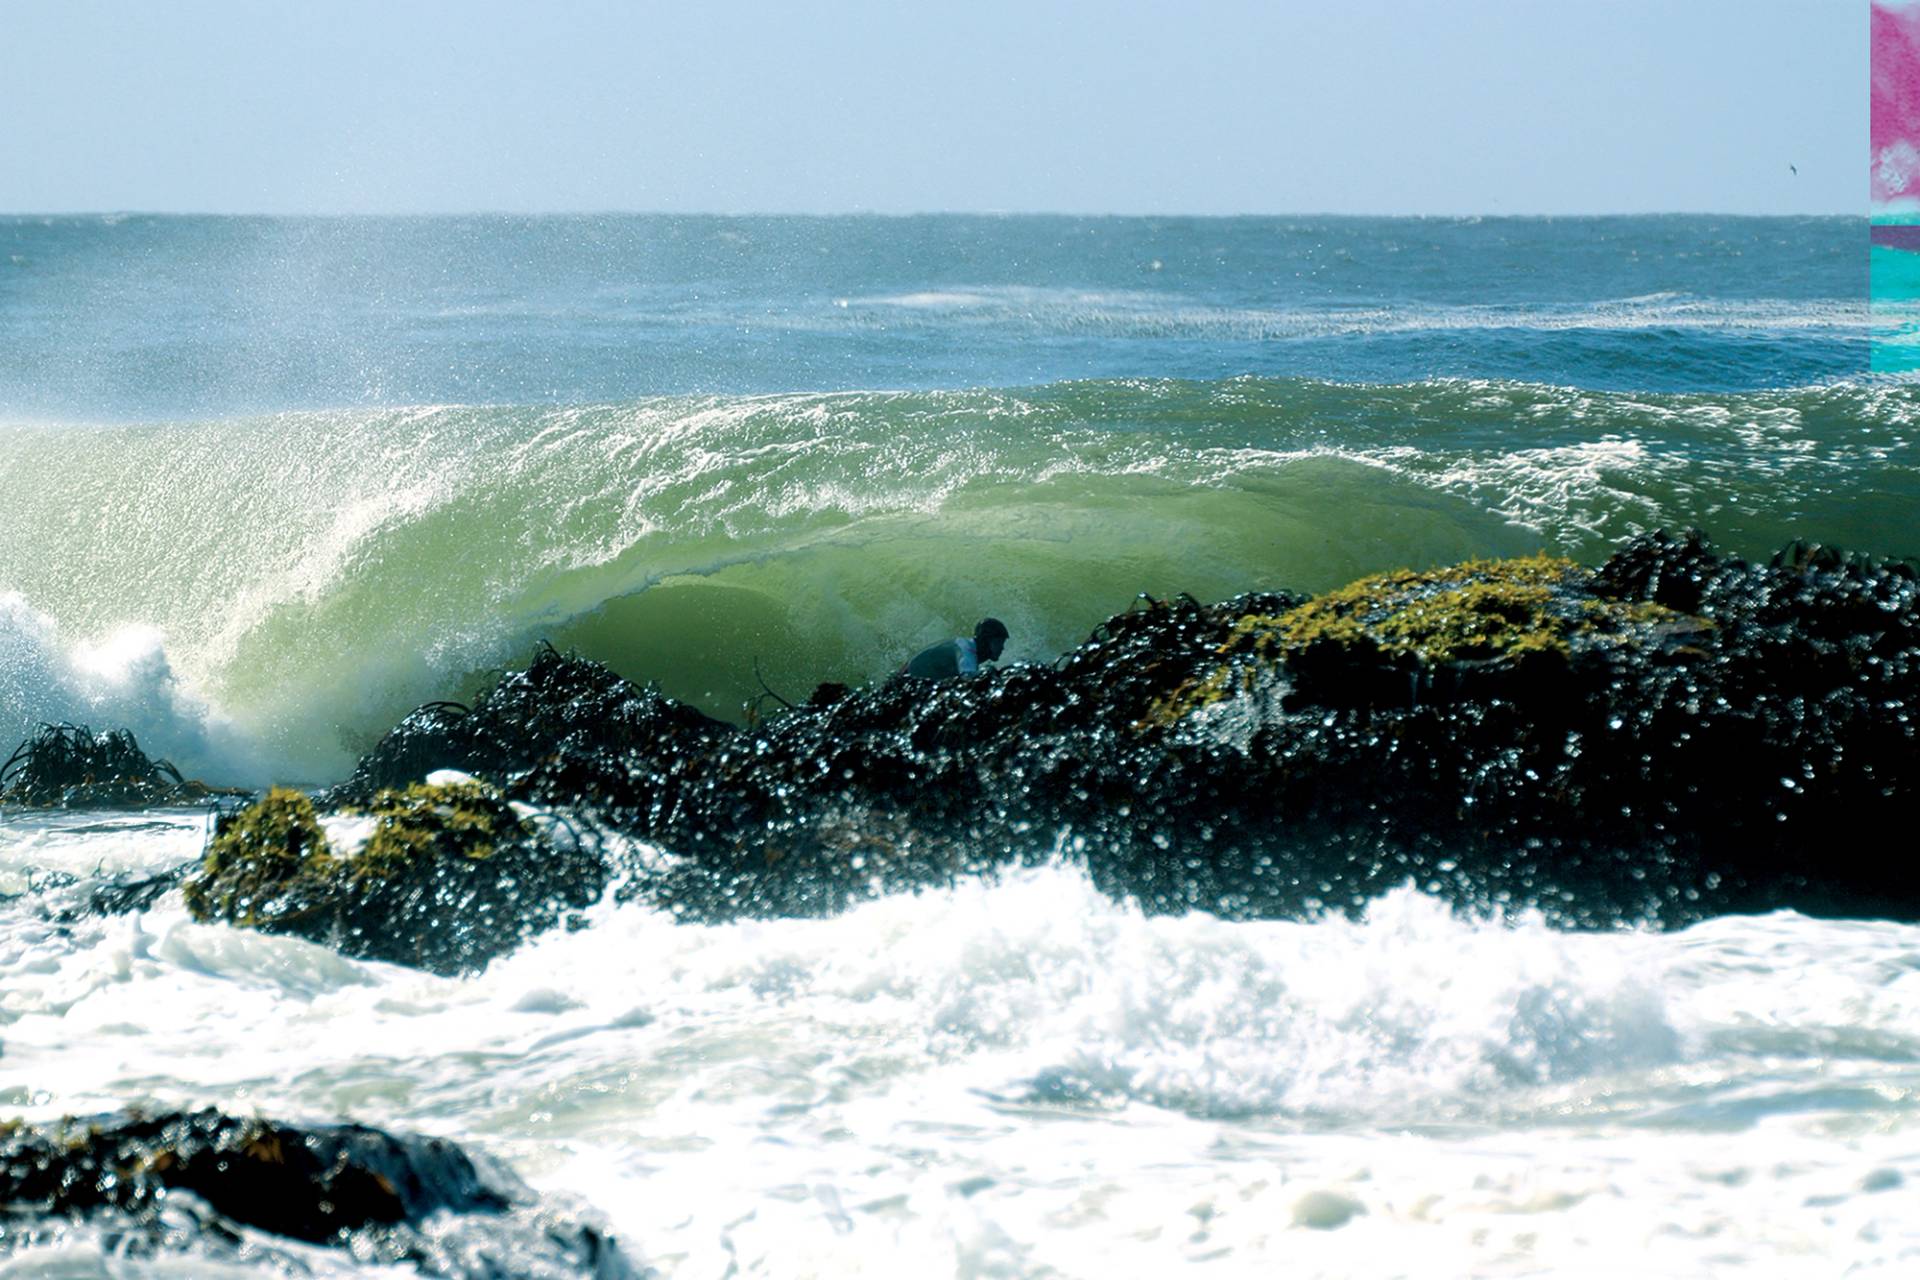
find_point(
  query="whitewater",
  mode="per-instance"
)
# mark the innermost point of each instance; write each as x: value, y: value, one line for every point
x: 1025, y: 1078
x: 272, y: 482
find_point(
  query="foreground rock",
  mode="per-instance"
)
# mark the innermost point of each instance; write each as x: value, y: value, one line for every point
x: 211, y: 1183
x: 1671, y: 734
x: 441, y: 875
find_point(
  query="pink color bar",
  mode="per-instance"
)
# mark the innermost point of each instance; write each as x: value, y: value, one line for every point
x: 1894, y: 129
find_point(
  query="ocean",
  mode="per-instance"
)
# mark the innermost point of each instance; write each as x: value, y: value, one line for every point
x: 269, y: 483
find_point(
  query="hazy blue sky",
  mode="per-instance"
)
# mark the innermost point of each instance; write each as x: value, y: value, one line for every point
x: 1448, y: 106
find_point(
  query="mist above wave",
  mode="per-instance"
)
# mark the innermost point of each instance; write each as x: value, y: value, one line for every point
x: 140, y: 317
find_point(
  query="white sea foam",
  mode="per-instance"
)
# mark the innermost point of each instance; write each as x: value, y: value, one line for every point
x: 1568, y: 489
x: 121, y: 680
x: 1168, y: 314
x: 1023, y: 1078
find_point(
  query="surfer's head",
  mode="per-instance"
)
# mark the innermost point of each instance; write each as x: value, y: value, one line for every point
x: 989, y: 638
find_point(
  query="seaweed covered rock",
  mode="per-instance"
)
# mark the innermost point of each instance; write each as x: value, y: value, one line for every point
x: 1674, y: 724
x: 344, y: 1185
x: 442, y: 875
x: 268, y: 863
x: 860, y: 791
x: 1393, y: 637
x: 558, y: 705
x: 70, y: 766
x: 1670, y: 733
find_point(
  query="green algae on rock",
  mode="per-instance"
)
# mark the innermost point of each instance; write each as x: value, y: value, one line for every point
x: 1476, y: 612
x: 422, y: 821
x: 268, y: 865
x: 448, y: 875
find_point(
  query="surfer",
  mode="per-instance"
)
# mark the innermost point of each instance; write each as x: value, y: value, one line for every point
x: 961, y: 656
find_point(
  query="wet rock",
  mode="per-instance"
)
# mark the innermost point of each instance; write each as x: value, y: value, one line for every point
x: 442, y: 875
x: 825, y: 695
x: 558, y: 705
x: 1668, y: 734
x: 68, y: 766
x: 1660, y: 567
x: 905, y: 784
x: 209, y: 1182
x: 1393, y: 638
x: 1677, y: 724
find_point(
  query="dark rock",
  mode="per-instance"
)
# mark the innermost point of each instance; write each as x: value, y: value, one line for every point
x: 1667, y: 735
x: 825, y: 695
x: 343, y: 1185
x: 1662, y: 569
x: 558, y: 705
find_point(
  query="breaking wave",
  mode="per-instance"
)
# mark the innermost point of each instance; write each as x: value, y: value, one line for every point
x: 299, y: 579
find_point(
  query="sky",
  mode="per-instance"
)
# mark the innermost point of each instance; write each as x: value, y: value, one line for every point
x: 906, y: 106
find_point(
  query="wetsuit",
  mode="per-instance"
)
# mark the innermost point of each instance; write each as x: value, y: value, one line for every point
x: 948, y: 658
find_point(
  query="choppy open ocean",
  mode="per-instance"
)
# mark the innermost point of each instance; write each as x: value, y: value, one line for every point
x: 265, y: 484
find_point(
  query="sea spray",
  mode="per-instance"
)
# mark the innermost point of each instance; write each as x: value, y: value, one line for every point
x: 125, y: 681
x: 1024, y: 1069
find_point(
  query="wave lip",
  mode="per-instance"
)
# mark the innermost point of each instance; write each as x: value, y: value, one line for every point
x: 125, y: 680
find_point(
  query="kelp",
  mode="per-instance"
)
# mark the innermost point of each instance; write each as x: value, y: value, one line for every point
x: 70, y: 766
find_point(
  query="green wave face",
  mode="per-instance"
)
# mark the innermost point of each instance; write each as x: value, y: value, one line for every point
x: 317, y: 573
